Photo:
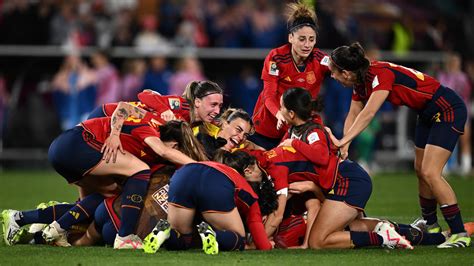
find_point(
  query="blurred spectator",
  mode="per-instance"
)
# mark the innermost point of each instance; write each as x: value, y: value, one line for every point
x: 74, y: 91
x: 188, y: 69
x: 267, y: 28
x: 4, y: 98
x: 191, y: 31
x: 244, y: 88
x: 229, y: 26
x: 157, y: 76
x: 124, y: 28
x: 132, y: 81
x: 169, y: 14
x: 402, y: 35
x: 108, y: 82
x: 63, y: 24
x: 338, y: 25
x: 148, y: 38
x: 454, y: 78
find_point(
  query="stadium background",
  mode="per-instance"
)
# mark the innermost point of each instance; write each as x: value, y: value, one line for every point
x: 227, y: 39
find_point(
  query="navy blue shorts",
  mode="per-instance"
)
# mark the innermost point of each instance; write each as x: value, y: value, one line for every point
x: 203, y: 188
x: 442, y: 121
x: 71, y: 156
x: 264, y: 141
x: 353, y: 185
x: 97, y: 113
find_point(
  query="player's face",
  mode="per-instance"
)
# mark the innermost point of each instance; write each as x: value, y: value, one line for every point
x: 285, y: 112
x: 253, y: 173
x: 346, y: 78
x: 207, y: 108
x: 235, y: 132
x: 302, y: 42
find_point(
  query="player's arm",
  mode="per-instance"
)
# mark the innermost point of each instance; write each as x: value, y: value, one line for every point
x: 256, y: 228
x: 362, y: 120
x: 274, y: 219
x: 170, y: 154
x: 112, y: 144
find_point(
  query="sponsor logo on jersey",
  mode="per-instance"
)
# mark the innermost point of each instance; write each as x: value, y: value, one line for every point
x: 273, y: 70
x: 135, y: 198
x: 288, y: 78
x: 74, y: 214
x: 310, y: 77
x: 313, y: 137
x: 174, y: 103
x: 301, y: 80
x: 161, y: 197
x: 325, y: 61
x: 142, y: 154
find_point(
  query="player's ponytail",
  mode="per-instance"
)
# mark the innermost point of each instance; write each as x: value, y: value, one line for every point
x: 198, y: 90
x: 351, y: 58
x: 299, y: 101
x: 188, y: 144
x: 300, y: 15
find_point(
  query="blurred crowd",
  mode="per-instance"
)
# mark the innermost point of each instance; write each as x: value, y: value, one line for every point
x: 398, y: 25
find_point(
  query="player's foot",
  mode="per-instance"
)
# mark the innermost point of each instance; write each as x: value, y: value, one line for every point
x: 391, y: 239
x: 420, y: 223
x: 157, y: 237
x: 208, y: 237
x: 460, y: 240
x: 54, y: 234
x: 128, y: 242
x: 469, y: 227
x: 10, y: 227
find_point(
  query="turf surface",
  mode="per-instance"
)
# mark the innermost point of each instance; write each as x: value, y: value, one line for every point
x: 394, y: 197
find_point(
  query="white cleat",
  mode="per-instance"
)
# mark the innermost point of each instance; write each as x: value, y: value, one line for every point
x: 10, y: 227
x: 391, y: 239
x: 128, y: 242
x: 54, y: 234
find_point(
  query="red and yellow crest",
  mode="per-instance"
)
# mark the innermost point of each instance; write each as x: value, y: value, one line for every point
x: 310, y: 77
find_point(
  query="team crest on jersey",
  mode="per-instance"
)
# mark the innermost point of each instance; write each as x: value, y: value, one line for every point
x: 273, y: 70
x: 174, y: 103
x: 270, y: 154
x: 310, y: 77
x: 161, y: 197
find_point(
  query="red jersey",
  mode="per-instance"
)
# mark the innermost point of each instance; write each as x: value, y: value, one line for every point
x: 279, y: 74
x: 132, y: 136
x: 160, y: 103
x: 247, y: 203
x: 407, y: 86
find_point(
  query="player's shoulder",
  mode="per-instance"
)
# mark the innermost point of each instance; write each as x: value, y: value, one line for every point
x: 281, y: 55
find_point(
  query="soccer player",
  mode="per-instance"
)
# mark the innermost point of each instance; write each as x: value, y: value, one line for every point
x: 346, y: 186
x: 221, y: 195
x: 296, y: 64
x: 77, y: 156
x: 441, y: 119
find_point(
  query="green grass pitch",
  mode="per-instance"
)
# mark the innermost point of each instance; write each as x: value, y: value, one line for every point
x: 394, y: 197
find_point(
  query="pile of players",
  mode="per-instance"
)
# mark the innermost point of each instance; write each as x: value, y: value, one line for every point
x: 175, y: 171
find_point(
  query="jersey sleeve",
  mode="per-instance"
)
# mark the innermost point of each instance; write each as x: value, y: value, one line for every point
x: 314, y: 148
x: 270, y: 77
x: 154, y: 101
x: 256, y: 228
x: 383, y: 80
x: 145, y: 131
x: 279, y: 175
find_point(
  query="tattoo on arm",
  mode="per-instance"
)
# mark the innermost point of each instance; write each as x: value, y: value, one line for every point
x: 139, y: 112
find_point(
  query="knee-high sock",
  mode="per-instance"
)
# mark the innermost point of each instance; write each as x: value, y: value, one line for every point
x: 364, y: 239
x: 178, y: 241
x: 452, y: 215
x: 43, y: 216
x: 428, y: 210
x: 81, y: 212
x: 133, y: 196
x: 417, y: 237
x: 229, y: 240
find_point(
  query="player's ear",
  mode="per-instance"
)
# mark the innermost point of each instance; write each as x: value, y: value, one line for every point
x: 197, y: 102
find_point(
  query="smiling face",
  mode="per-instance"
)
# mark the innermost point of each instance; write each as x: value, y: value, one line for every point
x: 302, y: 42
x: 346, y: 78
x: 235, y: 132
x: 208, y: 107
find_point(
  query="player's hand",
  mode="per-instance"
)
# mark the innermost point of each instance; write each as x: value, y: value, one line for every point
x: 111, y: 147
x: 333, y: 138
x: 344, y: 151
x: 280, y: 120
x: 301, y: 187
x: 168, y: 115
x: 286, y: 143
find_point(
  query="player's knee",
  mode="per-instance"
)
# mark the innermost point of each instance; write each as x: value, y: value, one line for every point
x: 316, y: 242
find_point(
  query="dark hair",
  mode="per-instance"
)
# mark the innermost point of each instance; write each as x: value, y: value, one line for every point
x: 300, y: 15
x: 231, y: 114
x: 180, y: 132
x: 198, y: 90
x: 299, y: 100
x: 351, y: 58
x: 211, y: 145
x: 239, y: 160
